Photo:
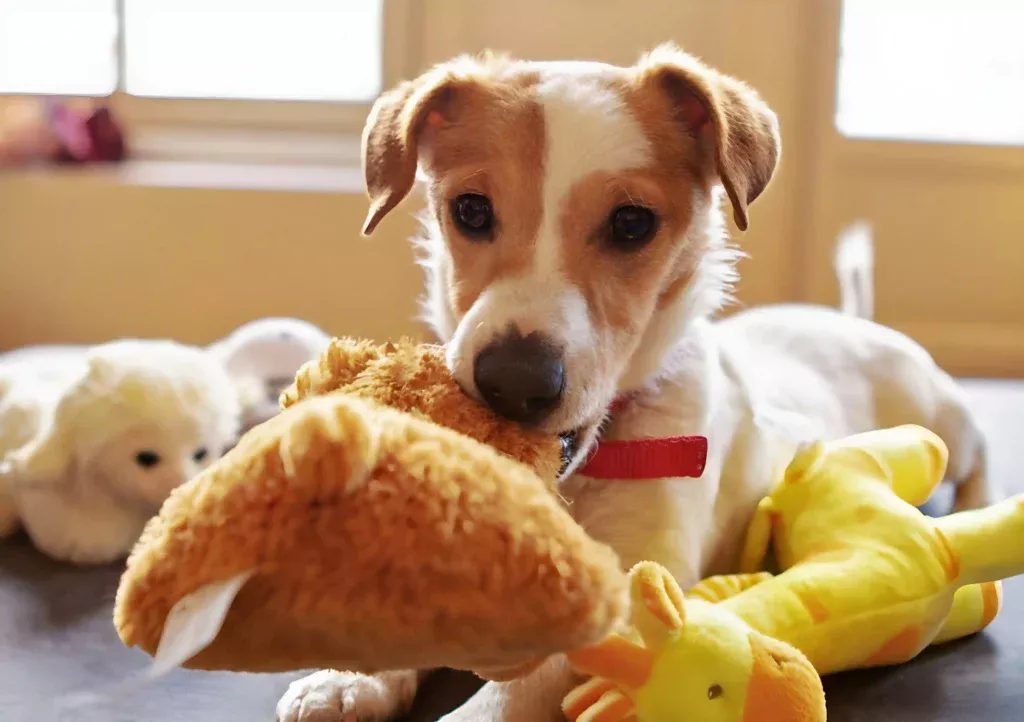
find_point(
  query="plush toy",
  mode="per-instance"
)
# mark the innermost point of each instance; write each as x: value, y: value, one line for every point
x: 383, y: 520
x: 687, y: 659
x: 263, y: 356
x: 92, y: 440
x: 53, y: 130
x: 867, y: 580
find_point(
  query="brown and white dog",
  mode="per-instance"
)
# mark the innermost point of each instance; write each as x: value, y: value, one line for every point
x: 576, y: 253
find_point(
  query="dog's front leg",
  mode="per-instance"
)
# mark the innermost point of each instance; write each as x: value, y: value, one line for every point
x: 536, y: 697
x: 332, y: 696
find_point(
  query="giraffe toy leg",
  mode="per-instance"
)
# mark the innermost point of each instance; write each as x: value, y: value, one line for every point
x: 974, y: 608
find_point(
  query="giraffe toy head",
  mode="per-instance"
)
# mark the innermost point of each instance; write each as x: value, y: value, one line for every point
x: 689, y: 659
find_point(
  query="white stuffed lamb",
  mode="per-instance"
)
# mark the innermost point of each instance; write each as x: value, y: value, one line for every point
x: 92, y: 440
x: 96, y: 443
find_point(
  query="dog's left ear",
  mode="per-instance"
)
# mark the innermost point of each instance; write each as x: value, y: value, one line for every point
x: 742, y: 130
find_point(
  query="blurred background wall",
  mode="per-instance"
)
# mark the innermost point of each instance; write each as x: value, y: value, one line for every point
x: 91, y: 254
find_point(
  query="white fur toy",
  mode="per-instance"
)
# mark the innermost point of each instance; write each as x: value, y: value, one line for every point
x: 92, y: 440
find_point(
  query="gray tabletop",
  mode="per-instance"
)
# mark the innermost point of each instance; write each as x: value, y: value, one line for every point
x: 60, y: 659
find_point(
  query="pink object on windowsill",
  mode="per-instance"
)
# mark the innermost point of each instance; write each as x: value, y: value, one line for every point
x: 86, y: 137
x: 53, y: 131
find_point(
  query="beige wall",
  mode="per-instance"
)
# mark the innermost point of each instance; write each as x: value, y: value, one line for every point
x: 86, y: 257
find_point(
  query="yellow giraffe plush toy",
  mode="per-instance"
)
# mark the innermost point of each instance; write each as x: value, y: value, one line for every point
x: 687, y: 659
x: 867, y: 579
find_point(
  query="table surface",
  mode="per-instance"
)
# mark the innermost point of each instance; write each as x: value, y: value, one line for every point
x: 60, y: 658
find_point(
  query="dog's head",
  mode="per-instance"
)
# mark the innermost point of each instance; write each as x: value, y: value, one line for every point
x: 573, y: 223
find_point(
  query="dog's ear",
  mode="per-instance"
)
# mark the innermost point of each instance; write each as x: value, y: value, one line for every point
x: 742, y: 130
x: 395, y: 127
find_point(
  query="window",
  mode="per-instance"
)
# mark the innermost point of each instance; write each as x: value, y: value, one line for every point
x: 268, y: 64
x: 268, y: 49
x: 932, y: 70
x: 65, y: 47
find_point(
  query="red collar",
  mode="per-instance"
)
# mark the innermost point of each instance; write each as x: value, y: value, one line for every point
x: 671, y: 457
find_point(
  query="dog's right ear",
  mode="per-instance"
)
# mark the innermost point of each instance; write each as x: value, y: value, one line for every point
x: 396, y: 124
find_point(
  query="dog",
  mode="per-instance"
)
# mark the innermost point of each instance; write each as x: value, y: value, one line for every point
x: 576, y: 256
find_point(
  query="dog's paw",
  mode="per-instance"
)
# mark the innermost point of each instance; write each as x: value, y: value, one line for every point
x: 330, y: 696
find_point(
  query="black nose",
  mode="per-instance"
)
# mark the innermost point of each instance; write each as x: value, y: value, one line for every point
x: 520, y: 377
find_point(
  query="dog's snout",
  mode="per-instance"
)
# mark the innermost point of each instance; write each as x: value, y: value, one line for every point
x: 521, y: 377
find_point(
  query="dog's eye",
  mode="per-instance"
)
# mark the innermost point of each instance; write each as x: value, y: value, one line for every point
x: 200, y: 454
x: 147, y: 459
x: 632, y: 226
x: 473, y: 214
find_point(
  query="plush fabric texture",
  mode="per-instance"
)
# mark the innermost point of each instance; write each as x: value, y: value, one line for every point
x: 380, y: 539
x: 414, y: 378
x: 867, y: 579
x: 687, y: 659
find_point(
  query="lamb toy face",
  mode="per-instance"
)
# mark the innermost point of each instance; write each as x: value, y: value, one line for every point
x: 96, y: 443
x: 92, y: 440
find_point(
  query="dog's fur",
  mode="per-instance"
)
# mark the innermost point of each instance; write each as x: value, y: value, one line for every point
x: 557, y: 147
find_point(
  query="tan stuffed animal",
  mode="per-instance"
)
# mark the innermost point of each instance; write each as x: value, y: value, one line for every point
x: 383, y: 520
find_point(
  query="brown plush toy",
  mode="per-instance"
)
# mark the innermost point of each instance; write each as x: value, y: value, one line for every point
x: 383, y: 520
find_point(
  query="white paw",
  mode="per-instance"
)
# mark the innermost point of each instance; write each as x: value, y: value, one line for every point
x: 330, y: 696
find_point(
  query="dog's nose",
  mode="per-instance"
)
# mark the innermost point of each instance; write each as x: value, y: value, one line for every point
x: 520, y: 377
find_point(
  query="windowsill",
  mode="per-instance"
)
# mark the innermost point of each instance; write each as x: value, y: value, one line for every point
x: 225, y: 160
x: 219, y: 175
x: 923, y: 156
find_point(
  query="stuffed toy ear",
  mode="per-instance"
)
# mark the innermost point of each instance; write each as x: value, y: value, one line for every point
x: 47, y: 458
x: 657, y: 603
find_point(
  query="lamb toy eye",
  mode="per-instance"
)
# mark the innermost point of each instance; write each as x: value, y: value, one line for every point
x: 147, y: 459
